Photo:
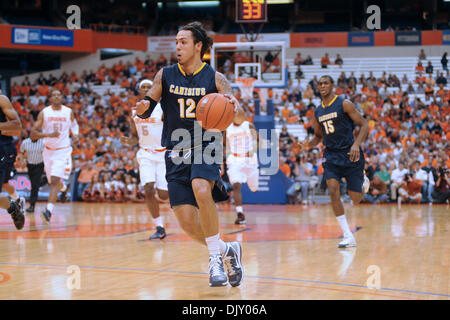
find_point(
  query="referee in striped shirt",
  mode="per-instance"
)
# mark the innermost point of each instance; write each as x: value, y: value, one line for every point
x: 32, y: 151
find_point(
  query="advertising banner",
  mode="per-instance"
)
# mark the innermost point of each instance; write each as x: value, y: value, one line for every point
x: 408, y: 38
x: 43, y: 37
x: 360, y: 39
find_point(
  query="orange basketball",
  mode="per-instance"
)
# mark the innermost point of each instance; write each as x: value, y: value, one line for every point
x: 215, y: 111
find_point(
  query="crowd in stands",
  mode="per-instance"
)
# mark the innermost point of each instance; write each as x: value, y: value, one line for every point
x: 407, y: 150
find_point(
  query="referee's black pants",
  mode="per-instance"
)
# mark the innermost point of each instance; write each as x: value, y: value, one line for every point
x: 35, y: 172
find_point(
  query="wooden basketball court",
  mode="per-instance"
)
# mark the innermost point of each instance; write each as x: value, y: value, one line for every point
x: 289, y: 252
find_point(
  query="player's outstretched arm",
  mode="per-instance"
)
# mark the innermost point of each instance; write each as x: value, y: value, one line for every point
x: 318, y: 136
x: 357, y: 118
x: 12, y: 127
x: 145, y: 107
x: 223, y: 87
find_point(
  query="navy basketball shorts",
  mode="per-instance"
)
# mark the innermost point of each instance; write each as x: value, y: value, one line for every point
x: 8, y: 155
x: 179, y: 176
x: 337, y: 165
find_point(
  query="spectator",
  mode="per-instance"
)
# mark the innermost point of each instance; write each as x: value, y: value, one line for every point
x: 405, y: 79
x: 308, y: 60
x: 87, y: 172
x: 426, y: 179
x: 398, y: 176
x: 384, y: 175
x: 284, y: 167
x: 299, y: 73
x: 285, y: 136
x: 338, y: 60
x: 441, y: 193
x: 308, y: 93
x: 444, y: 61
x: 422, y: 55
x: 419, y: 68
x: 325, y: 61
x: 429, y: 68
x: 302, y: 174
x: 410, y: 190
x: 298, y: 59
x: 441, y: 79
x: 377, y: 191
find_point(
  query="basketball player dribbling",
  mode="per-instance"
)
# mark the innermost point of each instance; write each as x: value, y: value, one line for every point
x: 242, y: 161
x: 152, y: 166
x: 194, y: 186
x: 333, y: 123
x: 56, y: 122
x: 10, y: 124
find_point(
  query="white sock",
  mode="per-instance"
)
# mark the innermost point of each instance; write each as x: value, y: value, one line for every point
x: 223, y: 246
x: 158, y: 221
x: 213, y: 243
x: 14, y: 196
x: 50, y: 206
x: 63, y: 188
x: 239, y: 209
x: 344, y: 225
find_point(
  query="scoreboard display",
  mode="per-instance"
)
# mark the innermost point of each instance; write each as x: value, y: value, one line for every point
x: 251, y: 11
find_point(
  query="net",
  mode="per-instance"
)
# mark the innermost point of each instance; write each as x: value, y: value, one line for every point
x: 246, y: 86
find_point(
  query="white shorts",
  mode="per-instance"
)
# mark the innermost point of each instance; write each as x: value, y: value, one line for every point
x: 244, y: 173
x: 151, y: 170
x: 57, y: 163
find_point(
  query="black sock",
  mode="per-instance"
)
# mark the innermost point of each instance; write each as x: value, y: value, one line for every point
x: 12, y: 207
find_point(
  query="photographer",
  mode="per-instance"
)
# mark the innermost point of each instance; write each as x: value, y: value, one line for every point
x: 441, y: 193
x: 377, y: 191
x: 302, y: 173
x: 410, y: 190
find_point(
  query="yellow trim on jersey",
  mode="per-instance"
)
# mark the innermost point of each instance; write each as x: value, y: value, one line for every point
x: 335, y: 97
x: 198, y: 70
x: 181, y: 69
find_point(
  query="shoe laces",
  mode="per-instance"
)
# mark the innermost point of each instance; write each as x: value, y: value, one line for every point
x: 227, y: 261
x: 215, y: 266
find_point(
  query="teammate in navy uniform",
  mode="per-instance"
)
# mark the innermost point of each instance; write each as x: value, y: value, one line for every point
x: 9, y: 125
x: 334, y: 121
x: 192, y: 185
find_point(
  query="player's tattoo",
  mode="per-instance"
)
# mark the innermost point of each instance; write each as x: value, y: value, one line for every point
x: 222, y: 84
x: 156, y: 89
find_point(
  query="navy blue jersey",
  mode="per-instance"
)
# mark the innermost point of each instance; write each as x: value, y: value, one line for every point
x: 337, y: 126
x: 4, y: 139
x: 180, y: 96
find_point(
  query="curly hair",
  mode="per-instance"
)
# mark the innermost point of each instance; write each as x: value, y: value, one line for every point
x: 200, y: 35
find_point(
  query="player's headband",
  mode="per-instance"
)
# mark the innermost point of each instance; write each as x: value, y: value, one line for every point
x: 199, y: 35
x: 144, y: 82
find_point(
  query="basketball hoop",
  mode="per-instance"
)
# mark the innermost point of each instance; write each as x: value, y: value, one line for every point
x: 246, y: 86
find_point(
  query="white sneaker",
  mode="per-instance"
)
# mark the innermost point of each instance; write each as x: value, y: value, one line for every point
x: 305, y: 202
x: 366, y: 184
x: 347, y: 242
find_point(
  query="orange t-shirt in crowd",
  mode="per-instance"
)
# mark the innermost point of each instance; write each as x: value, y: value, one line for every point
x: 43, y: 90
x: 285, y: 169
x: 325, y: 60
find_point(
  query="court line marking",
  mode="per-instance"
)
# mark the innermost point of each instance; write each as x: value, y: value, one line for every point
x: 247, y: 276
x: 204, y: 277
